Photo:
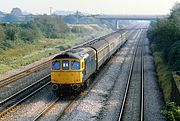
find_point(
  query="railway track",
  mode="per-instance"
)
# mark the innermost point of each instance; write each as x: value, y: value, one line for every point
x: 124, y: 110
x: 23, y: 90
x: 23, y: 74
x: 8, y: 107
x: 66, y: 106
x: 46, y: 109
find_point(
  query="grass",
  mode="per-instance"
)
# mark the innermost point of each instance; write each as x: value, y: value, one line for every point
x: 4, y: 68
x: 164, y: 72
x: 23, y: 54
x: 164, y: 75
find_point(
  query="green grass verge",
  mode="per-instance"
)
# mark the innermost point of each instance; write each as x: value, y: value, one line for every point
x: 165, y: 77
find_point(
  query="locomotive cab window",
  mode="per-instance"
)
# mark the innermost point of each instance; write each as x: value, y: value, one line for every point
x: 75, y: 65
x: 65, y: 64
x: 55, y: 65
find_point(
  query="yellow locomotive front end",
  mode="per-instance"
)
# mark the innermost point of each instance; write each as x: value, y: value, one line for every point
x: 66, y: 71
x: 66, y: 75
x: 71, y: 70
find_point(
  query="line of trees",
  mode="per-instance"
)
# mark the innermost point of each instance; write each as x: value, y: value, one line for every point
x: 41, y: 27
x: 164, y: 36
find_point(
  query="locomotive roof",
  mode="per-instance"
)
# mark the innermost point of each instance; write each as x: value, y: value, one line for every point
x: 78, y: 53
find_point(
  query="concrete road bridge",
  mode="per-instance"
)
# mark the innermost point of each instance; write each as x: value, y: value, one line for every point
x: 130, y: 17
x: 117, y: 18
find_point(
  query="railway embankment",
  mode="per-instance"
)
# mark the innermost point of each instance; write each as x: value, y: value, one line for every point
x: 24, y: 55
x: 168, y: 87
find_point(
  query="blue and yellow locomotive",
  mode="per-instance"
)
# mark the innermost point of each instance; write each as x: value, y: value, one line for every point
x: 71, y: 70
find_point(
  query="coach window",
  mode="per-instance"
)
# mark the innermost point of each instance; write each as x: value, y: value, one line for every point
x: 65, y: 64
x: 75, y: 65
x: 55, y: 65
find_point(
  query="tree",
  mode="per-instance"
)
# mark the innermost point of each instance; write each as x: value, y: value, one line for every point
x: 51, y: 26
x: 28, y: 35
x: 71, y: 19
x: 165, y: 37
x: 2, y: 34
x: 11, y: 32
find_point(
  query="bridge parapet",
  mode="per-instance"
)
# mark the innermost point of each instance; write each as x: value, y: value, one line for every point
x: 131, y: 17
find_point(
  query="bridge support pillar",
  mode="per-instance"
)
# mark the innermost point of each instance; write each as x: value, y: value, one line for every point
x: 77, y: 17
x: 117, y: 23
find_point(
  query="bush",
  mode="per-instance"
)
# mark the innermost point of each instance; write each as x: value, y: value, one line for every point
x: 28, y: 35
x: 172, y: 111
x: 174, y: 55
x: 164, y: 75
x: 2, y: 34
x: 40, y: 27
x: 51, y: 26
x: 11, y: 32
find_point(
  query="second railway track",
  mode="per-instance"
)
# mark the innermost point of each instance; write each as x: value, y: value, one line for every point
x: 23, y: 74
x: 132, y: 107
x: 8, y: 104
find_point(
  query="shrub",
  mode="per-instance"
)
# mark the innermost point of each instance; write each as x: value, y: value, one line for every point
x: 172, y: 111
x: 174, y: 55
x: 2, y: 34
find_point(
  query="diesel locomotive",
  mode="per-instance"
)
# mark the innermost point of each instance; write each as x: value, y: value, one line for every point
x: 71, y: 70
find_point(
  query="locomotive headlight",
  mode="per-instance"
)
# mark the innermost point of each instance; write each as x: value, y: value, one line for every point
x: 55, y: 87
x: 75, y: 87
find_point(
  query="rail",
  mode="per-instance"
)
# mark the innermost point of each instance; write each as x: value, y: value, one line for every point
x: 142, y: 83
x: 46, y: 109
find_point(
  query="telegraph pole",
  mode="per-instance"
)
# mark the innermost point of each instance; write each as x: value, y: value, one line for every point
x: 77, y: 17
x: 50, y: 10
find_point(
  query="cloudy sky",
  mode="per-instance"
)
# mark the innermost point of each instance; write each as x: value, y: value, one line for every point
x: 91, y: 6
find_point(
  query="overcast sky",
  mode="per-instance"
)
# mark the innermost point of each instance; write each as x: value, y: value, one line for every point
x: 91, y: 6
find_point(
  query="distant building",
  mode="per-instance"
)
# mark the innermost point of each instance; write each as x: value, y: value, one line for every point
x: 16, y: 12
